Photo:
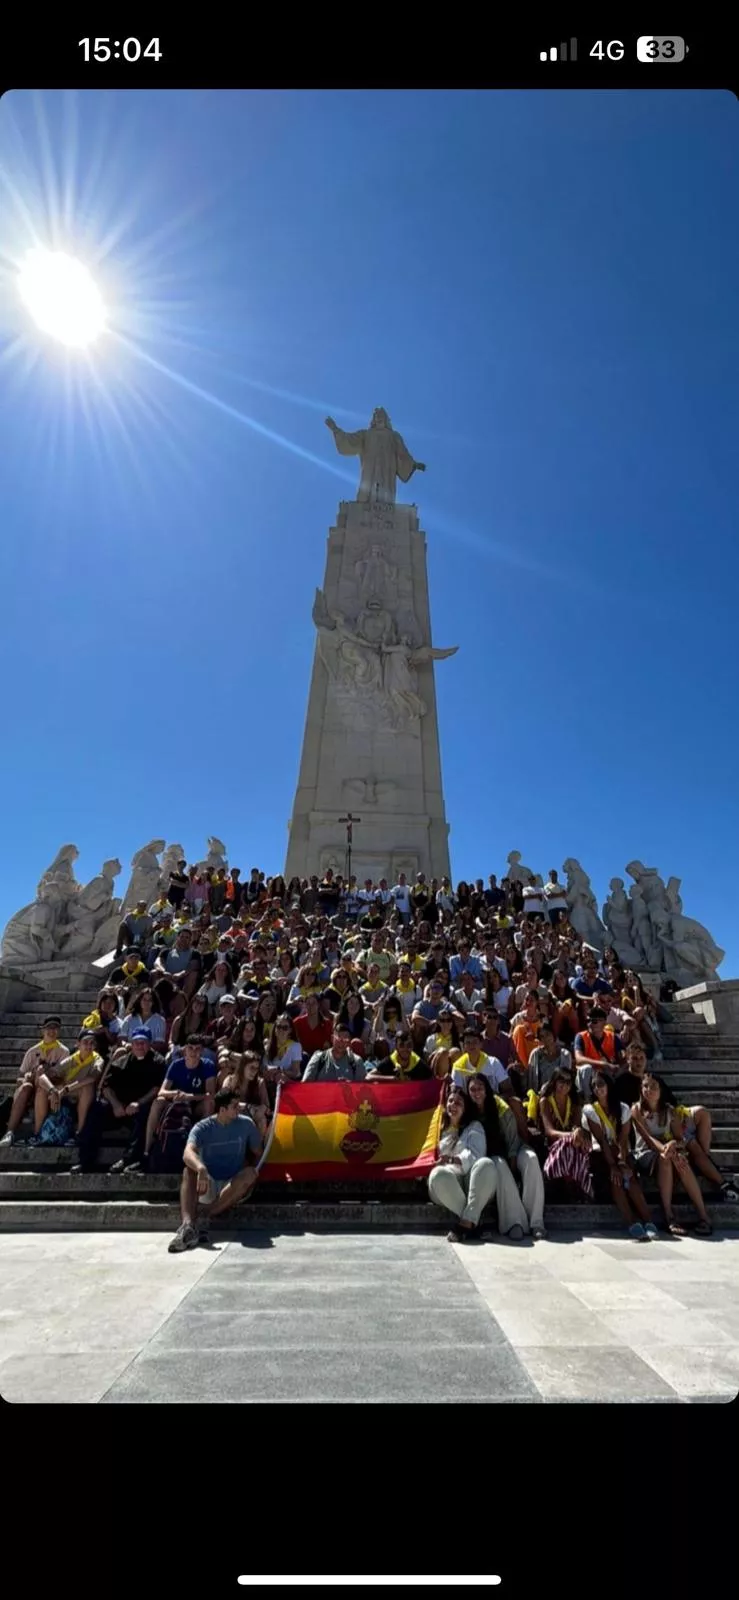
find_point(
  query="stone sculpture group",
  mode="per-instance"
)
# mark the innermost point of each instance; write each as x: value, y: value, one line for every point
x: 645, y: 927
x: 69, y: 921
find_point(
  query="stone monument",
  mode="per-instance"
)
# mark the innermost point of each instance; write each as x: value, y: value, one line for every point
x: 371, y: 738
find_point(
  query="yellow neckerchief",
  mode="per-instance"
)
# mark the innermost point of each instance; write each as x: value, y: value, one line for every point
x: 93, y: 1021
x: 283, y: 1049
x: 162, y: 904
x: 47, y: 1048
x: 463, y: 1064
x: 443, y: 1041
x: 405, y: 974
x: 76, y: 1064
x: 605, y: 1119
x: 371, y: 988
x: 137, y: 914
x: 502, y: 1105
x: 685, y: 1112
x: 137, y: 969
x: 404, y: 1071
x: 551, y: 1101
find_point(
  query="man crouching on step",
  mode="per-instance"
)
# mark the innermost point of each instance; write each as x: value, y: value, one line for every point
x: 216, y: 1172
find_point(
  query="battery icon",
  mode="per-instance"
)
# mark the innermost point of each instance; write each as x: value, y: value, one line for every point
x: 651, y: 47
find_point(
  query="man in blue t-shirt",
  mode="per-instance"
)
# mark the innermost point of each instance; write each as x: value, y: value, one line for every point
x: 190, y: 1081
x: 216, y: 1173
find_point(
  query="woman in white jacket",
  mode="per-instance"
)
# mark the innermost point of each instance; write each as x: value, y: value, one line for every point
x: 464, y: 1180
x: 517, y: 1215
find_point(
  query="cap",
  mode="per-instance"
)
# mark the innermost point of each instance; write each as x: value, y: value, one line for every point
x: 52, y: 1022
x: 141, y: 1033
x: 227, y: 1000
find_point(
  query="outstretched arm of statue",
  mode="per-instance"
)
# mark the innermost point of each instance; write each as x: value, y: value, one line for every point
x: 428, y: 652
x: 347, y: 444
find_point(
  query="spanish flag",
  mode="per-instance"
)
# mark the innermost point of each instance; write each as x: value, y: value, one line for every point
x: 354, y: 1130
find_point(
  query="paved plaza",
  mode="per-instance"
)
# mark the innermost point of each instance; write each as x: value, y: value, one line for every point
x: 367, y: 1316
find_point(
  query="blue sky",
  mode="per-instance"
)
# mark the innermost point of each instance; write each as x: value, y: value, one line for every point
x: 541, y: 289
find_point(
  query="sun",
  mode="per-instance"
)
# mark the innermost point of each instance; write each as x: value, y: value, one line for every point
x: 62, y: 296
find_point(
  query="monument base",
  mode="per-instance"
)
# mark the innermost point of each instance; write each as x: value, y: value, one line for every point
x: 717, y: 1000
x: 70, y: 975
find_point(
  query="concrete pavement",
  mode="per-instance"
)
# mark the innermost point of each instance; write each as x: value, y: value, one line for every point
x: 362, y: 1317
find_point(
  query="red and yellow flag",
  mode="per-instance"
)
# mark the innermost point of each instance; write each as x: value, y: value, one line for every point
x: 355, y: 1130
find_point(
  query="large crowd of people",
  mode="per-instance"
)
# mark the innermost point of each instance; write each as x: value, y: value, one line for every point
x: 547, y: 1051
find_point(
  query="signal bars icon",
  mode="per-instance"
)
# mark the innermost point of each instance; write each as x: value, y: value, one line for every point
x: 562, y: 52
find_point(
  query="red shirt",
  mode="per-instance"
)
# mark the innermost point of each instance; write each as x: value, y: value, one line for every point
x: 311, y: 1039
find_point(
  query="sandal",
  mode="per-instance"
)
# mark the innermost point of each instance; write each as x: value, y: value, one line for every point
x: 703, y: 1229
x: 675, y: 1228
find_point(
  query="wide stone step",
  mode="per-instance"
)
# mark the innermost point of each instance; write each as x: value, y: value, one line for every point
x: 41, y: 1008
x: 163, y: 1216
x: 700, y: 1047
x: 688, y: 1075
x: 57, y: 1183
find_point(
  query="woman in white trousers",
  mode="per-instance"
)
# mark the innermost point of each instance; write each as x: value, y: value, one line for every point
x: 465, y: 1180
x: 517, y: 1215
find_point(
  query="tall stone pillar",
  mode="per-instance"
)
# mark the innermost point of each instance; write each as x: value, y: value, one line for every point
x: 371, y: 741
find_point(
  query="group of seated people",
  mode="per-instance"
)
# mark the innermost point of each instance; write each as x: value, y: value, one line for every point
x: 545, y: 1049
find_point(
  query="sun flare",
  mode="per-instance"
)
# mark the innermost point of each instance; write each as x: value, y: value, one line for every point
x: 62, y: 297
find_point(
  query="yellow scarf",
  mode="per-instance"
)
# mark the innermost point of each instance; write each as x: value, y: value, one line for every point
x: 404, y: 1071
x: 93, y: 1021
x: 46, y: 1048
x: 76, y: 1064
x: 555, y: 1108
x: 127, y: 973
x: 463, y: 1064
x: 606, y: 1120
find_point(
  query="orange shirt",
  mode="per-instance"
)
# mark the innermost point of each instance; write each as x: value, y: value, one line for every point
x: 525, y: 1037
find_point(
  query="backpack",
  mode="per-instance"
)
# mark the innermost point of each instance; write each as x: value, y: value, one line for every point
x: 168, y: 1148
x: 58, y: 1126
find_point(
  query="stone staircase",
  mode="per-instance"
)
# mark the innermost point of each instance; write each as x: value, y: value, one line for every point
x: 37, y: 1189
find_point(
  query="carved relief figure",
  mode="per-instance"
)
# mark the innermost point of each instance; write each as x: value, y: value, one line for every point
x: 32, y: 934
x: 369, y: 660
x: 383, y: 456
x: 145, y: 875
x: 376, y: 577
x: 583, y: 908
x: 215, y: 860
x: 619, y: 922
x: 516, y: 869
x: 94, y: 916
x: 690, y: 953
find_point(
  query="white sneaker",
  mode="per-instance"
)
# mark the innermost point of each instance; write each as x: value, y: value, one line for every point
x: 7, y: 1138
